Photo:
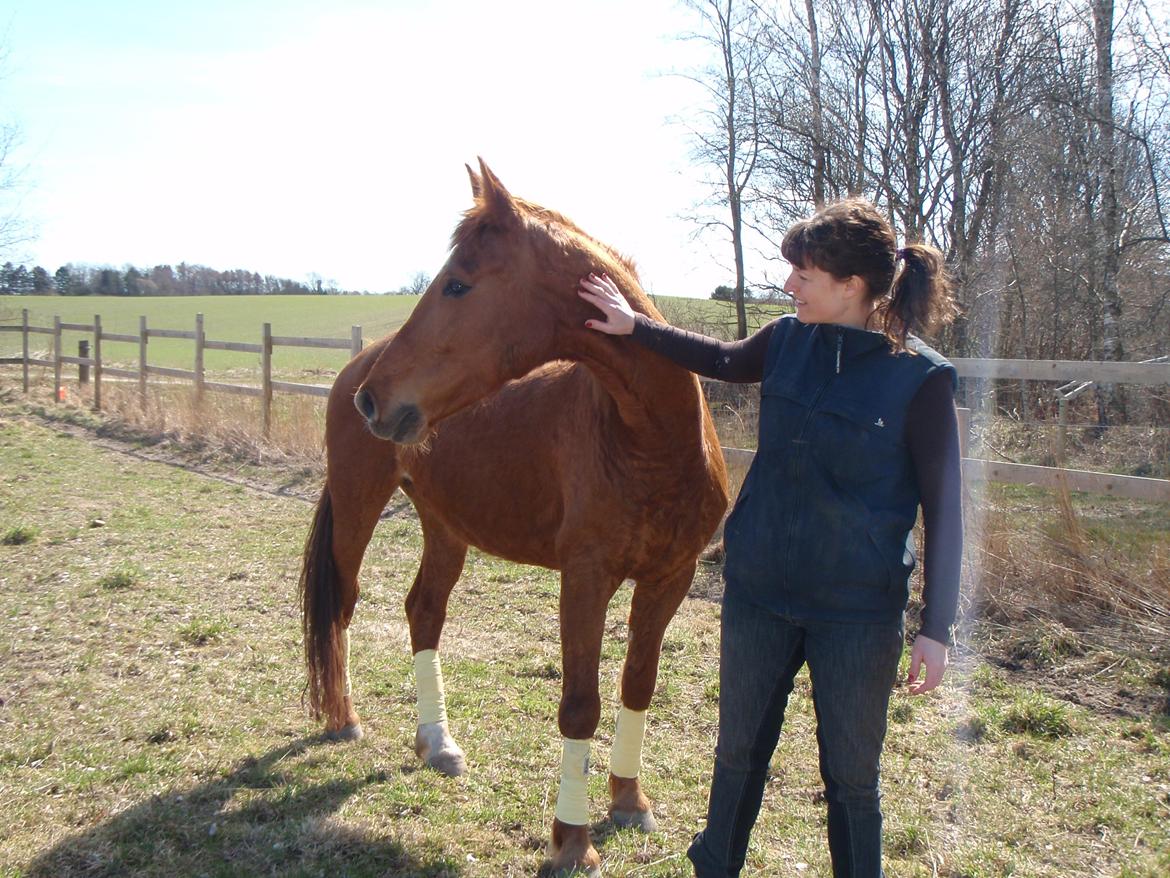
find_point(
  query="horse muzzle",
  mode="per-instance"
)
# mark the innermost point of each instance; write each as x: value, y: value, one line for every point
x: 403, y: 424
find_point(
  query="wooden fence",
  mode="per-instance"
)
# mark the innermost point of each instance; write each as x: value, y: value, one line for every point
x: 974, y: 469
x: 264, y: 348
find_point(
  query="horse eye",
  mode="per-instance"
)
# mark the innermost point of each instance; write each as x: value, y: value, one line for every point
x: 455, y: 288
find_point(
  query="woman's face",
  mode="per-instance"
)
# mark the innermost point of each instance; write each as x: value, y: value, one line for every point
x: 822, y: 298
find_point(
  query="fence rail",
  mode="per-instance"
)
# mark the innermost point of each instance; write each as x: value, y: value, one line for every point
x: 974, y: 469
x: 1100, y: 371
x: 145, y: 369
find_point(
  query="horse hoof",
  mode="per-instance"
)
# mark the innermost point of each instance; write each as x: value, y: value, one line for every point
x: 570, y: 853
x: 643, y: 820
x: 350, y: 732
x: 435, y: 746
x: 449, y: 762
x: 548, y: 870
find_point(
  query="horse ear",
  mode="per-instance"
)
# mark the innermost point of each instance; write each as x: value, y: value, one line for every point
x: 498, y: 200
x: 476, y: 186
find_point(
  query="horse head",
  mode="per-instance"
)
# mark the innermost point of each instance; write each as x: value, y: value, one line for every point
x: 503, y: 303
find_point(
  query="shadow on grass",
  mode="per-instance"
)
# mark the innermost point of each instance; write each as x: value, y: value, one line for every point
x: 259, y: 819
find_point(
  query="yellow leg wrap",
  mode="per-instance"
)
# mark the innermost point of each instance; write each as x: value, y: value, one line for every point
x: 573, y: 797
x: 428, y: 677
x: 625, y: 757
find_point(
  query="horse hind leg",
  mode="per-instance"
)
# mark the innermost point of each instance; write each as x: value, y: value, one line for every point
x: 346, y: 516
x: 653, y: 606
x: 426, y: 611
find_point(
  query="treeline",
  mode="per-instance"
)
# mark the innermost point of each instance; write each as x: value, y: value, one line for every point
x: 161, y: 280
x: 1028, y: 139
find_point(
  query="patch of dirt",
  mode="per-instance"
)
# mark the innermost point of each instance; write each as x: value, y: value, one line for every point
x: 267, y: 471
x: 1107, y: 690
x: 1105, y: 698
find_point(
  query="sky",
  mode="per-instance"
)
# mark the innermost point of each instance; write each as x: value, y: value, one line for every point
x: 329, y: 139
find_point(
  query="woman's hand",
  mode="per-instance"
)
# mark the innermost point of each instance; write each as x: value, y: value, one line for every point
x: 932, y: 654
x: 604, y: 294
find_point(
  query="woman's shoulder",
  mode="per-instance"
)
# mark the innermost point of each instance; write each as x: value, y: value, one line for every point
x: 927, y: 359
x: 785, y: 325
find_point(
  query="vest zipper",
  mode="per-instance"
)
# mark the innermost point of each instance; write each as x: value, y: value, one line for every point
x: 798, y: 462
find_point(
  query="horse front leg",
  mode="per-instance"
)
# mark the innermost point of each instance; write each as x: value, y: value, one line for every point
x: 652, y: 607
x: 426, y: 611
x: 584, y: 598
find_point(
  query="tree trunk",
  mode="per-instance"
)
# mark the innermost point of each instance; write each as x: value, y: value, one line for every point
x: 818, y: 116
x: 1109, y: 401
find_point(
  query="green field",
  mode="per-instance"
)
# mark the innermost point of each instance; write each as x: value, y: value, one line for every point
x: 150, y: 717
x: 226, y: 318
x: 240, y: 318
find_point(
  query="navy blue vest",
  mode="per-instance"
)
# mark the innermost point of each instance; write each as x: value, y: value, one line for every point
x: 822, y: 527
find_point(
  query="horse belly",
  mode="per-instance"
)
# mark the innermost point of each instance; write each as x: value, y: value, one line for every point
x: 499, y: 497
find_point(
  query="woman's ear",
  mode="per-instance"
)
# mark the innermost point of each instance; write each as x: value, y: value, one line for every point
x: 855, y: 287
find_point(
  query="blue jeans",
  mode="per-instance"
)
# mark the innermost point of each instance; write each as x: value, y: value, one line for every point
x: 853, y: 667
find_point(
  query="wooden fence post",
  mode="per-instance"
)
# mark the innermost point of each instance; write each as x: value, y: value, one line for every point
x: 57, y: 358
x: 199, y: 339
x: 24, y: 346
x: 97, y: 362
x: 355, y: 341
x: 964, y: 431
x: 142, y: 359
x: 266, y: 362
x: 1061, y: 428
x: 83, y: 354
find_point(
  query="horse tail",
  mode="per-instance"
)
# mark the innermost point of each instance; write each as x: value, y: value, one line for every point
x: 321, y: 609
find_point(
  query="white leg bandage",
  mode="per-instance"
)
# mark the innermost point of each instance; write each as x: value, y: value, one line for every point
x: 428, y: 677
x: 573, y: 797
x: 625, y: 757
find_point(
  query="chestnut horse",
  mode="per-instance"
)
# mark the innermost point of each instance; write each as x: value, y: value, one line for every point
x: 586, y: 454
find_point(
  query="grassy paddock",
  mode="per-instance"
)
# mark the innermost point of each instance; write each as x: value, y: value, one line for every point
x: 150, y: 723
x: 226, y: 318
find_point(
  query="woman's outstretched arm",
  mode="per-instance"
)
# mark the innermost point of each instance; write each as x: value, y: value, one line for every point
x: 738, y: 361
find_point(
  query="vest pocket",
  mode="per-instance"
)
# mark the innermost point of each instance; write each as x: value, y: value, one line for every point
x: 749, y: 537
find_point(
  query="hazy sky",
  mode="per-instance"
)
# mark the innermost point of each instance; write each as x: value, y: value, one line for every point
x: 294, y: 138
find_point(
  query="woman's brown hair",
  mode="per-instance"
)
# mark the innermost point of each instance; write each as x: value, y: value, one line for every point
x: 850, y: 238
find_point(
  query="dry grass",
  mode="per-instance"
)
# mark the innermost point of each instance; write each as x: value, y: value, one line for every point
x: 1080, y: 560
x: 165, y: 737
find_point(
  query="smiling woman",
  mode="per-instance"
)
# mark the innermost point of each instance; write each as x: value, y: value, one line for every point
x: 857, y: 430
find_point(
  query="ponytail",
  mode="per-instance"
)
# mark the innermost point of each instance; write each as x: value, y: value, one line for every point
x: 921, y: 298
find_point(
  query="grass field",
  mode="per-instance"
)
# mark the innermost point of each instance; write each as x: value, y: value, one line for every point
x: 150, y: 722
x: 240, y: 319
x: 226, y: 318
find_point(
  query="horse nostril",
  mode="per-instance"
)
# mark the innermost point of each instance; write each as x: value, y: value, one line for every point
x: 364, y: 402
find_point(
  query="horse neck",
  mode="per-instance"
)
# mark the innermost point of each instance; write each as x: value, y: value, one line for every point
x: 659, y: 401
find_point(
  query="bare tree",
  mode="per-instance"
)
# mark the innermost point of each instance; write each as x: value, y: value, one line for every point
x: 1106, y: 169
x: 1028, y: 139
x: 727, y: 142
x: 909, y: 102
x: 418, y: 284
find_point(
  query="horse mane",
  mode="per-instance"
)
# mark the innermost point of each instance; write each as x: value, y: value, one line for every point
x: 478, y: 218
x: 481, y: 217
